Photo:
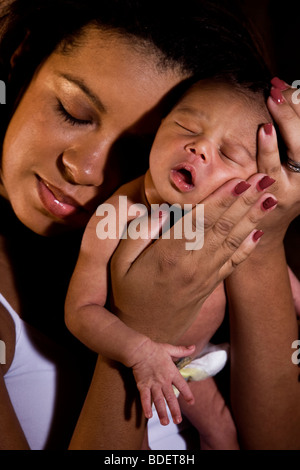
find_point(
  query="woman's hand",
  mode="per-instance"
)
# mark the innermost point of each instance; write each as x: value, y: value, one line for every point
x: 158, y: 288
x: 286, y: 112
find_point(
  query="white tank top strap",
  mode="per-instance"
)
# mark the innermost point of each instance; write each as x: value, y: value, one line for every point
x: 17, y: 320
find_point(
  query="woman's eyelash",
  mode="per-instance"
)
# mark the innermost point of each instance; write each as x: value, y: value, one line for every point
x: 69, y: 118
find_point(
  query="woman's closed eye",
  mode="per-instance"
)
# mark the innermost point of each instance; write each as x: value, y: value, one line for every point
x: 74, y: 121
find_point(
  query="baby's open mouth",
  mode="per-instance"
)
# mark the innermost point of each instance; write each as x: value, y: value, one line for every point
x: 183, y: 177
x: 186, y: 176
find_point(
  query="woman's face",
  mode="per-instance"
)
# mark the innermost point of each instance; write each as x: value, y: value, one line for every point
x: 59, y: 160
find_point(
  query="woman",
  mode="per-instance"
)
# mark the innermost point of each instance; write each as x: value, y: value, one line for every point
x: 62, y: 130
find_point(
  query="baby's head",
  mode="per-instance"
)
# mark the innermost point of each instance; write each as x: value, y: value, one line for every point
x: 208, y: 138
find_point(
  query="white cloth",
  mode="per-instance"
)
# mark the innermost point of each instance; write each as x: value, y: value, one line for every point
x: 33, y: 380
x: 210, y: 361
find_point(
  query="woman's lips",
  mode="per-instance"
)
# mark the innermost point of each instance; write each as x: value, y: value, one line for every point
x: 183, y: 176
x: 55, y: 201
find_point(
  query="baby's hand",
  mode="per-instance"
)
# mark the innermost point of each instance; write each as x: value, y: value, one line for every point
x: 155, y: 373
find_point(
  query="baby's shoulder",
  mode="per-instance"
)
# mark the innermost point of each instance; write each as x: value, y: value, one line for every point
x: 132, y: 190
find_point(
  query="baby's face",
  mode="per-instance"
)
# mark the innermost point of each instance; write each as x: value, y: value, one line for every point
x: 210, y: 137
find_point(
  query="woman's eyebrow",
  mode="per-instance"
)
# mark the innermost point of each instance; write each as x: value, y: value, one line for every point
x: 80, y: 83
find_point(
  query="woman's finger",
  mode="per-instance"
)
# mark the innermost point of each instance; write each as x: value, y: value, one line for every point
x: 241, y: 254
x: 291, y: 93
x: 200, y: 220
x: 232, y: 243
x: 268, y: 158
x: 287, y: 119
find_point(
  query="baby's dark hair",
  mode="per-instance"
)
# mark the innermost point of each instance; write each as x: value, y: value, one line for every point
x: 197, y: 36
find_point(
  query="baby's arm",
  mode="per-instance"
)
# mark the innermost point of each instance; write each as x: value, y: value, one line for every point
x: 102, y: 331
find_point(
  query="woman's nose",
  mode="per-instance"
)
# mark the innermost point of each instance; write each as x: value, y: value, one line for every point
x: 201, y: 148
x: 85, y: 164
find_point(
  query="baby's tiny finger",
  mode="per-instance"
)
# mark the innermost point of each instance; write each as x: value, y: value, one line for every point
x: 145, y: 396
x: 160, y: 405
x: 180, y: 351
x: 173, y: 404
x: 184, y: 389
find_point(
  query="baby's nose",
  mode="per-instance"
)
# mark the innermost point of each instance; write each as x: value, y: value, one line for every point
x: 201, y: 148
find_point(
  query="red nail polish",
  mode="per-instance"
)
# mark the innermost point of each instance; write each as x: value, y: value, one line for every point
x: 241, y: 187
x: 257, y: 235
x: 280, y: 84
x: 268, y: 128
x: 264, y: 183
x: 269, y: 203
x: 277, y: 96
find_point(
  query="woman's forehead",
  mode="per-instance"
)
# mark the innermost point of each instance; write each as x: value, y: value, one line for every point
x: 98, y: 38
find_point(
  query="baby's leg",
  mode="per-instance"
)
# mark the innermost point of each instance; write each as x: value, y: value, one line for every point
x: 295, y: 285
x: 211, y: 417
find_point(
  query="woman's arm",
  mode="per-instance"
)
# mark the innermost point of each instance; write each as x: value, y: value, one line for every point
x: 265, y: 382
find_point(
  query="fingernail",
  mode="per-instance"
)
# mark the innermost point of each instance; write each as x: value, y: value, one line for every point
x: 177, y: 420
x: 280, y: 84
x: 164, y: 421
x: 159, y: 214
x: 241, y: 187
x: 277, y: 96
x: 269, y: 203
x: 264, y: 183
x: 268, y: 128
x: 257, y: 235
